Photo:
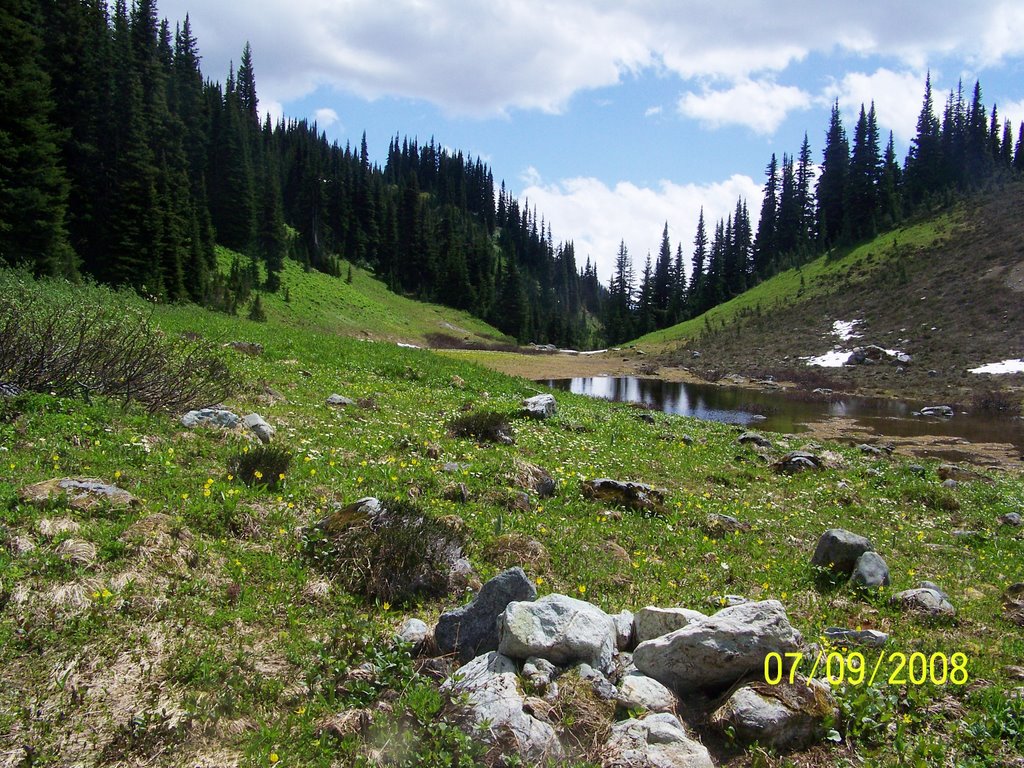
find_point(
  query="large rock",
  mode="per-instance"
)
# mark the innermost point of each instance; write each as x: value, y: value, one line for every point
x: 657, y: 741
x: 627, y: 494
x: 717, y: 651
x: 259, y: 427
x: 871, y: 638
x: 561, y: 629
x: 753, y: 437
x: 784, y: 716
x: 214, y: 417
x: 540, y: 406
x: 870, y: 571
x: 797, y: 461
x: 495, y: 709
x: 838, y: 550
x: 472, y: 629
x: 652, y: 622
x: 83, y: 493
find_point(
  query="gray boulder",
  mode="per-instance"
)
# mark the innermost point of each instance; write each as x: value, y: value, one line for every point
x: 797, y: 461
x: 785, y: 716
x: 657, y: 741
x: 259, y: 427
x: 756, y: 439
x: 838, y: 550
x: 942, y: 411
x: 472, y: 629
x: 1012, y: 519
x: 340, y: 400
x: 561, y: 629
x: 495, y: 712
x: 652, y: 622
x: 870, y: 571
x: 414, y: 632
x: 215, y: 417
x: 717, y: 651
x: 637, y: 691
x: 624, y: 639
x: 540, y: 406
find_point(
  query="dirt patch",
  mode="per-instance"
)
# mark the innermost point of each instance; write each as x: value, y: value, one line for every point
x: 560, y: 365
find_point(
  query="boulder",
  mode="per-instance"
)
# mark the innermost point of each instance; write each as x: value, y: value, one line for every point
x: 870, y: 571
x: 624, y: 639
x: 638, y: 496
x: 839, y: 549
x: 652, y: 622
x: 797, y: 461
x: 1012, y: 519
x: 784, y: 716
x: 717, y: 525
x: 637, y: 691
x: 471, y: 629
x: 924, y: 600
x: 83, y: 493
x: 715, y: 652
x: 561, y: 629
x: 942, y: 411
x: 214, y: 417
x: 494, y: 710
x: 540, y: 406
x: 657, y: 741
x: 340, y: 400
x: 756, y: 439
x: 1013, y: 604
x: 259, y: 427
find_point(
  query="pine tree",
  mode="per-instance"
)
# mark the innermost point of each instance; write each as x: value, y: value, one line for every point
x: 662, y: 289
x: 923, y: 168
x: 33, y: 187
x: 831, y: 187
x: 861, y: 194
x: 890, y: 205
x: 245, y: 85
x: 765, y: 243
x: 699, y: 276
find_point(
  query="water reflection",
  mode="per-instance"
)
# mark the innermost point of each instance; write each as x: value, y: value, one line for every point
x: 777, y: 412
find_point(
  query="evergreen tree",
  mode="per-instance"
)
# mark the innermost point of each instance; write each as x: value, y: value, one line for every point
x: 831, y: 188
x: 33, y: 187
x: 663, y: 283
x: 890, y: 206
x: 765, y: 243
x: 861, y: 194
x: 699, y: 276
x: 923, y: 168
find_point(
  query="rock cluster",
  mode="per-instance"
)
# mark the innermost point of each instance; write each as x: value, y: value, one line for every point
x: 515, y: 648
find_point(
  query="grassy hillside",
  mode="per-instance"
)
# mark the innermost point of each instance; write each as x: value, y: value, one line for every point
x: 365, y: 308
x: 198, y: 629
x: 946, y: 290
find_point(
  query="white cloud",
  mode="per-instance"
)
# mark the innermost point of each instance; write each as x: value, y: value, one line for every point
x: 759, y: 105
x: 653, y: 111
x: 1014, y: 112
x: 596, y: 217
x: 325, y: 117
x: 897, y: 97
x: 489, y: 58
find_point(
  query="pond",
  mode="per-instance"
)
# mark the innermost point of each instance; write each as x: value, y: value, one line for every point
x: 782, y: 412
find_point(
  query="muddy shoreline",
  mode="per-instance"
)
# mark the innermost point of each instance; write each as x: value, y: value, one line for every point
x: 1003, y: 456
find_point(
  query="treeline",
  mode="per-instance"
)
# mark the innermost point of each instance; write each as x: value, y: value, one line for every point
x: 859, y: 191
x: 121, y: 161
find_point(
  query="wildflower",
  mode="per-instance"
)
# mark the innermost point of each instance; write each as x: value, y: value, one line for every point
x: 273, y: 757
x: 386, y: 605
x: 539, y: 580
x: 184, y: 497
x: 117, y: 474
x: 582, y: 589
x: 258, y: 475
x: 281, y: 476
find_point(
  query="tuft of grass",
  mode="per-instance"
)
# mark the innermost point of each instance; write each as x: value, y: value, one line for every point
x: 488, y: 426
x: 264, y: 465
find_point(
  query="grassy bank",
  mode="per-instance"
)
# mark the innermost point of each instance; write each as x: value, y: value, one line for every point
x: 208, y: 636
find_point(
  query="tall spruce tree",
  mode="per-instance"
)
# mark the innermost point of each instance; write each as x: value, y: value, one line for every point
x: 923, y: 168
x: 33, y: 186
x: 831, y: 189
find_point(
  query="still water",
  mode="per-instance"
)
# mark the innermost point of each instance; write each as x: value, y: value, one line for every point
x: 779, y: 412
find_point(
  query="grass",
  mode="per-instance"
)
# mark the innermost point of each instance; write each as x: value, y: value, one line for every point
x: 203, y: 633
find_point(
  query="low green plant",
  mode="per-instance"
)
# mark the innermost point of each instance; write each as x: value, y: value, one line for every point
x: 489, y: 426
x: 264, y: 465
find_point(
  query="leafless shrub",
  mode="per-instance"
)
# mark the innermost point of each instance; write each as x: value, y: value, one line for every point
x: 51, y: 342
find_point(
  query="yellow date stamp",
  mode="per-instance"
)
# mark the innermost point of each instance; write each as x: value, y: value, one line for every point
x: 895, y: 667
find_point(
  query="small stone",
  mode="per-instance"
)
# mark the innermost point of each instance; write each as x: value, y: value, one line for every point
x: 838, y: 550
x: 637, y: 691
x: 657, y: 741
x: 871, y: 638
x: 756, y: 439
x: 941, y: 411
x: 1012, y: 519
x: 651, y: 622
x: 797, y: 461
x: 259, y: 427
x: 414, y: 632
x: 340, y: 400
x: 950, y: 483
x: 924, y: 601
x: 624, y: 630
x: 870, y: 571
x: 83, y: 493
x: 540, y: 406
x: 639, y: 496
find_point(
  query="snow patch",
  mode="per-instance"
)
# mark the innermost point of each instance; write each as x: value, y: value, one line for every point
x: 844, y: 329
x: 1004, y: 366
x: 834, y: 359
x: 408, y: 346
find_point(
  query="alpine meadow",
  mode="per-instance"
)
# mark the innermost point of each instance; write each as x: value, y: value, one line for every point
x: 299, y: 464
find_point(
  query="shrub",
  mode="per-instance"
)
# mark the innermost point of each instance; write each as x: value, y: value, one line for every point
x: 489, y: 426
x: 996, y: 401
x: 74, y: 341
x: 263, y: 465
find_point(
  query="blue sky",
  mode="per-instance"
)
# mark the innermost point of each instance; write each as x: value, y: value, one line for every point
x: 614, y: 117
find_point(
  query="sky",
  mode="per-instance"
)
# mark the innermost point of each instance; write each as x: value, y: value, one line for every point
x: 614, y: 117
